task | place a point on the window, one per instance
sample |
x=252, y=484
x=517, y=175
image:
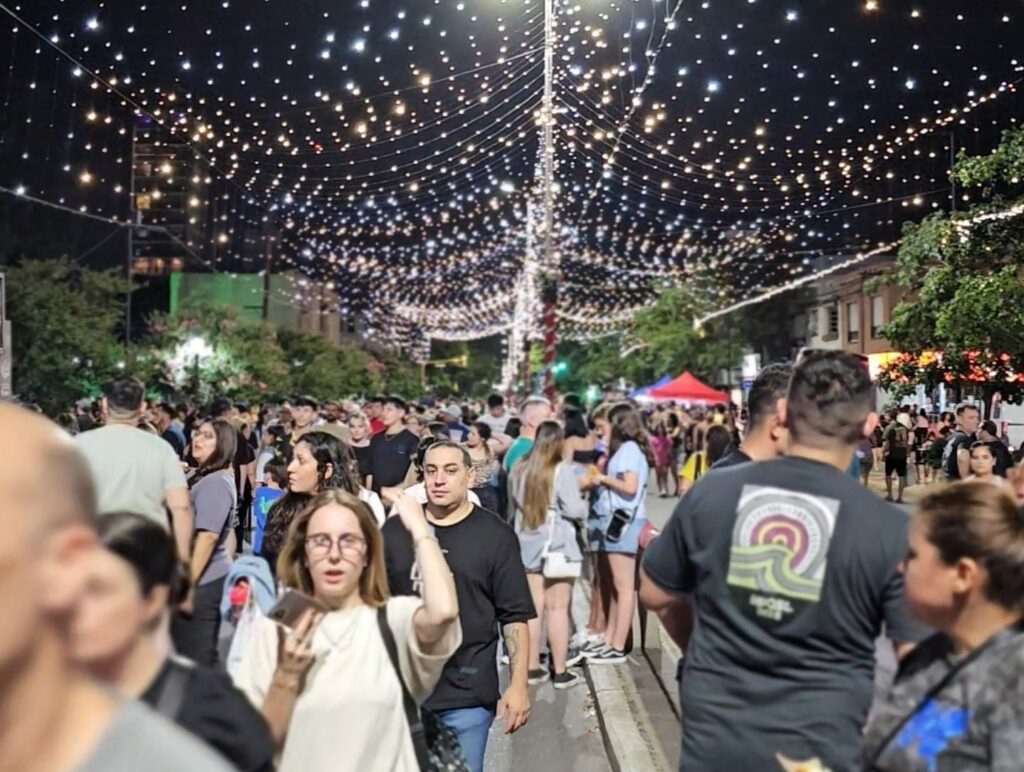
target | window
x=877, y=316
x=852, y=322
x=833, y=319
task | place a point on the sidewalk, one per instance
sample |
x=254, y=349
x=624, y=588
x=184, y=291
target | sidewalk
x=911, y=495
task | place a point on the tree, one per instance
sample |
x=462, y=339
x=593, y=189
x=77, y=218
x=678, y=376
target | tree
x=963, y=320
x=662, y=341
x=326, y=370
x=65, y=323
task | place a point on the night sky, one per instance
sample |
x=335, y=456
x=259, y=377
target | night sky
x=395, y=145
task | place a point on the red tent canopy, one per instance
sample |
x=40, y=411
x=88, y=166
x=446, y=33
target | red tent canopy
x=687, y=388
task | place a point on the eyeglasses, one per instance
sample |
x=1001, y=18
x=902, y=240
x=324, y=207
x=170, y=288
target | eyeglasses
x=319, y=544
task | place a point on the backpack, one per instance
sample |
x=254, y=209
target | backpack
x=949, y=462
x=898, y=440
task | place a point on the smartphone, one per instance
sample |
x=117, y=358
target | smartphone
x=621, y=520
x=291, y=606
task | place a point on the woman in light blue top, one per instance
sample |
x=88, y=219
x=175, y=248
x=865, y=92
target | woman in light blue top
x=619, y=514
x=546, y=504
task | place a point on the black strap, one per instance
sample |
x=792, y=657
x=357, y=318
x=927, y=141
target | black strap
x=940, y=686
x=172, y=695
x=412, y=711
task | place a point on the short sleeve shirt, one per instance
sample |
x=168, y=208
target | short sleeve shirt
x=975, y=724
x=132, y=470
x=390, y=458
x=483, y=554
x=213, y=505
x=628, y=458
x=349, y=715
x=794, y=571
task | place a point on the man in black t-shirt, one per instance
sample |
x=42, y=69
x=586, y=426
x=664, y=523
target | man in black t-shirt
x=391, y=451
x=483, y=554
x=793, y=569
x=956, y=457
x=765, y=437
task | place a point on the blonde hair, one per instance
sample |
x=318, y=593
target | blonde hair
x=293, y=568
x=534, y=474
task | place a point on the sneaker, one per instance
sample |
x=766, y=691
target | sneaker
x=592, y=648
x=583, y=637
x=565, y=680
x=607, y=656
x=538, y=676
x=573, y=657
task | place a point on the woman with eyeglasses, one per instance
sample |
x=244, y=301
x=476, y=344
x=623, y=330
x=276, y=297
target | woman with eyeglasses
x=327, y=687
x=118, y=637
x=214, y=499
x=958, y=700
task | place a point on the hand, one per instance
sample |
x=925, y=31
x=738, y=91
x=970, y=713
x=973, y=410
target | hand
x=514, y=707
x=411, y=513
x=297, y=648
x=188, y=606
x=391, y=494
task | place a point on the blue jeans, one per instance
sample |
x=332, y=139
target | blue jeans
x=471, y=726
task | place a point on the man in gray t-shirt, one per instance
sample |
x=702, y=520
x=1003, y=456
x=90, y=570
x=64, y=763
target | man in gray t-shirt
x=133, y=470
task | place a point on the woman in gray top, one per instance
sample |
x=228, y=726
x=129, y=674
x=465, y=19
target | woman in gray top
x=214, y=500
x=547, y=504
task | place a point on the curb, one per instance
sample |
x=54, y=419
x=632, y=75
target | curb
x=629, y=737
x=628, y=734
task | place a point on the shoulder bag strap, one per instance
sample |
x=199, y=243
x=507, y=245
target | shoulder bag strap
x=412, y=711
x=172, y=696
x=951, y=675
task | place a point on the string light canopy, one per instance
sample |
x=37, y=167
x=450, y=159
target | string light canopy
x=394, y=147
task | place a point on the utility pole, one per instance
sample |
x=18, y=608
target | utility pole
x=129, y=263
x=268, y=266
x=549, y=261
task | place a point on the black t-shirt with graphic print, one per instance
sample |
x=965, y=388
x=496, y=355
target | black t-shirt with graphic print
x=483, y=554
x=794, y=571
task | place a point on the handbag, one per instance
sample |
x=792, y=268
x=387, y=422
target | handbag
x=436, y=746
x=555, y=565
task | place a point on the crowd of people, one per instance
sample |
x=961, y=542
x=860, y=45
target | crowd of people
x=337, y=584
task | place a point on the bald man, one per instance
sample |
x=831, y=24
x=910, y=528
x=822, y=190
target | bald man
x=52, y=717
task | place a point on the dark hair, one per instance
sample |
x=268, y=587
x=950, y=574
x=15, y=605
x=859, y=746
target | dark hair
x=483, y=430
x=150, y=550
x=168, y=408
x=223, y=453
x=575, y=423
x=628, y=426
x=923, y=413
x=716, y=441
x=495, y=400
x=124, y=395
x=371, y=400
x=768, y=388
x=979, y=521
x=513, y=427
x=306, y=401
x=327, y=449
x=961, y=409
x=421, y=452
x=830, y=397
x=944, y=431
x=439, y=430
x=990, y=428
x=467, y=461
x=278, y=473
x=572, y=400
x=219, y=407
x=398, y=402
x=980, y=444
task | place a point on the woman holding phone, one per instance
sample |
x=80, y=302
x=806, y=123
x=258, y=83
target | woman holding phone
x=619, y=515
x=327, y=687
x=214, y=500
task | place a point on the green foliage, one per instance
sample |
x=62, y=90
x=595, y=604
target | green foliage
x=965, y=288
x=65, y=322
x=663, y=341
x=323, y=369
